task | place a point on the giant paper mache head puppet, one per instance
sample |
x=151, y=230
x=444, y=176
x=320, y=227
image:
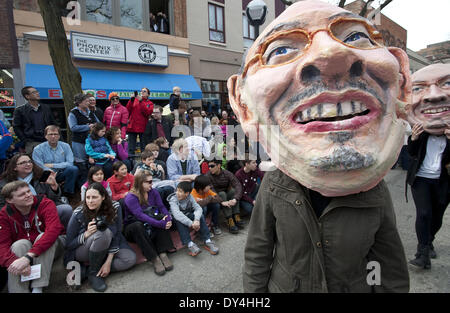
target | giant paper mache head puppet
x=322, y=75
x=430, y=104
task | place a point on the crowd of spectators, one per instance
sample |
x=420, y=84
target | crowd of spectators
x=133, y=181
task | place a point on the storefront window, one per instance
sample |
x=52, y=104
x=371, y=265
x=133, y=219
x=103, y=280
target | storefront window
x=215, y=95
x=7, y=103
x=99, y=11
x=131, y=13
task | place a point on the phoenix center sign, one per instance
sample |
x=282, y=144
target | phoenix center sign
x=92, y=47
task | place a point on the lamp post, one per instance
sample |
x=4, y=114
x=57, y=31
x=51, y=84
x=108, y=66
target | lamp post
x=256, y=14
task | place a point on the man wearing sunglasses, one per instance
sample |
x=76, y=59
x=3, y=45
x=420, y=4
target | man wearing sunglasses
x=325, y=95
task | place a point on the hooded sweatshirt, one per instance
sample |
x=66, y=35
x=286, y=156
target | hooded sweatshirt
x=180, y=209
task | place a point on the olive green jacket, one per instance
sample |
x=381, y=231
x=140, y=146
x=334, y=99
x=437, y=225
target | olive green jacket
x=289, y=249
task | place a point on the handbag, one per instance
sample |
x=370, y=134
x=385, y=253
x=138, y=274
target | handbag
x=153, y=212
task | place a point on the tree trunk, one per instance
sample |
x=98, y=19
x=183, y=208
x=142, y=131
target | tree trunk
x=68, y=76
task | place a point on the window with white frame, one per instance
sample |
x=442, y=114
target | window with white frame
x=216, y=22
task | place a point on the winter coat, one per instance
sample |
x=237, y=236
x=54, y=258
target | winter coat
x=97, y=149
x=139, y=112
x=151, y=131
x=43, y=218
x=289, y=249
x=116, y=116
x=23, y=122
x=120, y=187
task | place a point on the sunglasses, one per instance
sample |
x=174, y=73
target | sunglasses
x=149, y=181
x=115, y=98
x=211, y=165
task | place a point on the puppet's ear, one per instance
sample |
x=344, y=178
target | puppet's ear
x=237, y=104
x=404, y=82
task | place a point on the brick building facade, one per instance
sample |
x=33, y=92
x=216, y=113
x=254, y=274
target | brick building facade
x=8, y=54
x=393, y=34
x=437, y=52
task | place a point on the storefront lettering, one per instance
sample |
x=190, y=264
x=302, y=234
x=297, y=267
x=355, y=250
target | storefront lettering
x=84, y=46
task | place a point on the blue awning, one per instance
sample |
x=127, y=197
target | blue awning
x=102, y=82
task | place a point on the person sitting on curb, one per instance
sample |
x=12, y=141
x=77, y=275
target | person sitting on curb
x=250, y=177
x=208, y=200
x=150, y=233
x=29, y=231
x=230, y=190
x=188, y=214
x=94, y=236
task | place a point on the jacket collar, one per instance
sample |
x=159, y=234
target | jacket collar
x=295, y=192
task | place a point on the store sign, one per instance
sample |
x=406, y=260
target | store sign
x=91, y=47
x=103, y=94
x=6, y=97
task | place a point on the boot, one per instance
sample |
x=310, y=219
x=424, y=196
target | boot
x=159, y=266
x=422, y=259
x=433, y=254
x=237, y=220
x=231, y=226
x=166, y=262
x=96, y=260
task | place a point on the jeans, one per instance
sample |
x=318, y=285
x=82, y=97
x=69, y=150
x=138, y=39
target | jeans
x=214, y=209
x=69, y=176
x=429, y=209
x=132, y=138
x=184, y=230
x=247, y=206
x=79, y=152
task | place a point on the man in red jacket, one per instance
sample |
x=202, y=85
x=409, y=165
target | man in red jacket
x=140, y=108
x=29, y=229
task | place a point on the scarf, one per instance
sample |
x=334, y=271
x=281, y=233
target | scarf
x=28, y=180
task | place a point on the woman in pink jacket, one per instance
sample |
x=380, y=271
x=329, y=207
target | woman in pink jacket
x=139, y=109
x=116, y=114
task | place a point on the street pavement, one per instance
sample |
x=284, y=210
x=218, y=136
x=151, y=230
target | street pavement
x=206, y=273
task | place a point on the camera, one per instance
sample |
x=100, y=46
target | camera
x=100, y=221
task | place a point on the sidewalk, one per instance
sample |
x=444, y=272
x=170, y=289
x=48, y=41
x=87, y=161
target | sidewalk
x=223, y=273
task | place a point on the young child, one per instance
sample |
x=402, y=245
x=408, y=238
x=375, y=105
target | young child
x=148, y=164
x=95, y=175
x=208, y=200
x=99, y=150
x=188, y=214
x=121, y=182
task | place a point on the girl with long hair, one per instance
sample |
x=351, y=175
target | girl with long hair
x=149, y=232
x=94, y=237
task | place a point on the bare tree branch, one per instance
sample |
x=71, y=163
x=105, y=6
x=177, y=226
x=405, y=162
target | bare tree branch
x=364, y=9
x=286, y=2
x=342, y=3
x=385, y=3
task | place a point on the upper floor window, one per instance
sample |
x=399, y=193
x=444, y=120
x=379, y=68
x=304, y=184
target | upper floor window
x=100, y=11
x=247, y=29
x=216, y=23
x=131, y=14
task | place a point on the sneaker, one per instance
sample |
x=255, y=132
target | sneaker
x=194, y=250
x=211, y=247
x=217, y=230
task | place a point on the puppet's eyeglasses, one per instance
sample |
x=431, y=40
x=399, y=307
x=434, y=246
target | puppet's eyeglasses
x=287, y=46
